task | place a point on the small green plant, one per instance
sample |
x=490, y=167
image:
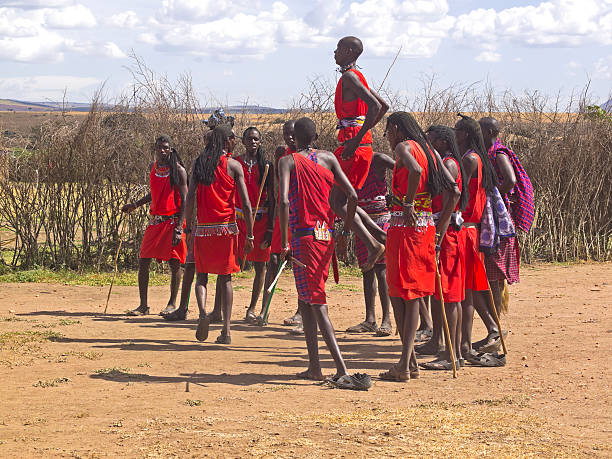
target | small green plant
x=190, y=402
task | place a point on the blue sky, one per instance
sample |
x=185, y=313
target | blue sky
x=266, y=51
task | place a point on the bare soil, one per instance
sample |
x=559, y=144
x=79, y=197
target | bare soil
x=77, y=383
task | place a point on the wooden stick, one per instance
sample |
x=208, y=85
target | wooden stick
x=390, y=67
x=271, y=291
x=297, y=262
x=261, y=187
x=449, y=344
x=496, y=317
x=110, y=288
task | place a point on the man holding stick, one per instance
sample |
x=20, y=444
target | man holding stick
x=306, y=179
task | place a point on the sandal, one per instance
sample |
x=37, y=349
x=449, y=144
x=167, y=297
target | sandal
x=203, y=327
x=177, y=314
x=169, y=309
x=292, y=321
x=493, y=343
x=363, y=327
x=215, y=319
x=423, y=335
x=428, y=348
x=384, y=330
x=250, y=317
x=482, y=359
x=358, y=381
x=139, y=311
x=297, y=331
x=393, y=374
x=440, y=365
x=223, y=339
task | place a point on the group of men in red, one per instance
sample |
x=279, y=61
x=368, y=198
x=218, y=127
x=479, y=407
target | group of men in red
x=443, y=181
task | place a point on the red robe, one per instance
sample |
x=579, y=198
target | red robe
x=260, y=223
x=275, y=247
x=216, y=234
x=165, y=205
x=357, y=167
x=309, y=188
x=475, y=273
x=452, y=253
x=411, y=252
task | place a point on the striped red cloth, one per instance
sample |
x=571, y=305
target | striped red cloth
x=522, y=208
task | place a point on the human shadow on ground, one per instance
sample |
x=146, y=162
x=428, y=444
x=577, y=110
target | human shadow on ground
x=201, y=379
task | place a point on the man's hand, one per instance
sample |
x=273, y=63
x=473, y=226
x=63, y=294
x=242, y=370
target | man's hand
x=410, y=216
x=267, y=239
x=285, y=253
x=177, y=236
x=130, y=207
x=248, y=246
x=350, y=146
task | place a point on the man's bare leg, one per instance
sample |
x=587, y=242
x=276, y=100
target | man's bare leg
x=337, y=201
x=175, y=282
x=228, y=300
x=497, y=287
x=383, y=294
x=411, y=318
x=201, y=284
x=143, y=286
x=458, y=354
x=258, y=282
x=481, y=304
x=327, y=330
x=216, y=315
x=425, y=318
x=434, y=344
x=181, y=312
x=466, y=322
x=309, y=322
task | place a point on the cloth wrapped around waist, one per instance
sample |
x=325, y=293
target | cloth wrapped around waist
x=374, y=206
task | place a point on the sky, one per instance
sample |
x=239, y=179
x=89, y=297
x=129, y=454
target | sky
x=265, y=52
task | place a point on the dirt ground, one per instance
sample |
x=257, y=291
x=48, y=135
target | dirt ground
x=77, y=383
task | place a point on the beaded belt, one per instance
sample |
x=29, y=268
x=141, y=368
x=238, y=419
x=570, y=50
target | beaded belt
x=215, y=229
x=423, y=219
x=157, y=219
x=260, y=213
x=350, y=122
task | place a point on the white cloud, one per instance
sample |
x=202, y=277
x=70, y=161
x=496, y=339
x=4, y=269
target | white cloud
x=35, y=4
x=603, y=68
x=89, y=48
x=232, y=29
x=40, y=88
x=488, y=56
x=560, y=23
x=126, y=20
x=45, y=46
x=71, y=17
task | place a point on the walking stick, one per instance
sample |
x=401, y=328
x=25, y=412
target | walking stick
x=261, y=187
x=449, y=344
x=271, y=290
x=110, y=289
x=496, y=317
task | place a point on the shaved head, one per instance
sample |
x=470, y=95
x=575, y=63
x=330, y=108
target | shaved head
x=488, y=122
x=354, y=44
x=305, y=131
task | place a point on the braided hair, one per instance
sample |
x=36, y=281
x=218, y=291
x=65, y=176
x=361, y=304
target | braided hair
x=448, y=135
x=476, y=143
x=206, y=163
x=174, y=160
x=259, y=154
x=436, y=181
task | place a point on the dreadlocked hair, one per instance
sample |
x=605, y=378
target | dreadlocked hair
x=436, y=182
x=448, y=135
x=259, y=154
x=174, y=160
x=476, y=143
x=206, y=163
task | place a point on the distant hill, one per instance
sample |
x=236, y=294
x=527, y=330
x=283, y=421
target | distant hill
x=607, y=106
x=23, y=106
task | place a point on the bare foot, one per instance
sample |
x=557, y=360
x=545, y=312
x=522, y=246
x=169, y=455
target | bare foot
x=312, y=376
